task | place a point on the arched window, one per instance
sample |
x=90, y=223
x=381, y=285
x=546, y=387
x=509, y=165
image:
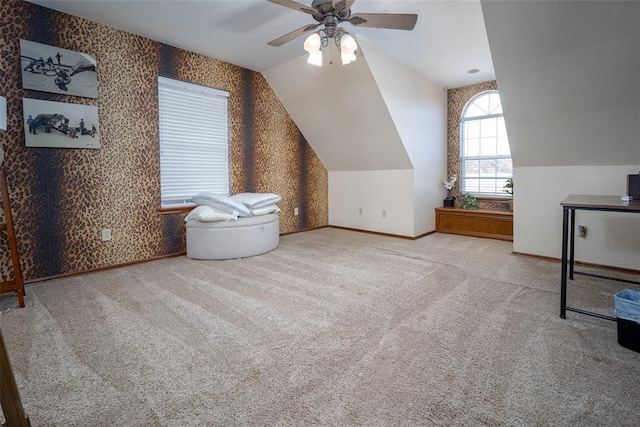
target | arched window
x=485, y=157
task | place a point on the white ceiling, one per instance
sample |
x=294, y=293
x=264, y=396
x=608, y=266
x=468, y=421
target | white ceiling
x=568, y=75
x=448, y=40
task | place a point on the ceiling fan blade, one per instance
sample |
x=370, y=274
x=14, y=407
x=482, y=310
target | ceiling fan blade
x=392, y=21
x=299, y=7
x=292, y=35
x=342, y=5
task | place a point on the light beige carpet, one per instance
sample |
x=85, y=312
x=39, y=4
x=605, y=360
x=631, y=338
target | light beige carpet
x=332, y=328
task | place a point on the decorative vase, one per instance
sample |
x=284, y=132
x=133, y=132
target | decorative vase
x=449, y=203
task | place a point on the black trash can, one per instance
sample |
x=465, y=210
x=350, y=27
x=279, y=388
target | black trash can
x=627, y=309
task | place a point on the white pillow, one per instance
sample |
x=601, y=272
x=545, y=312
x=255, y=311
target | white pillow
x=222, y=202
x=257, y=200
x=208, y=214
x=266, y=210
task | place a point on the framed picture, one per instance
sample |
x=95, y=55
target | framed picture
x=52, y=69
x=60, y=125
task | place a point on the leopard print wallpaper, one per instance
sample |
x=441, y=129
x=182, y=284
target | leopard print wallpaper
x=62, y=198
x=457, y=98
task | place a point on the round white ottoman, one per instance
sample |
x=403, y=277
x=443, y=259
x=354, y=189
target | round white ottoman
x=233, y=239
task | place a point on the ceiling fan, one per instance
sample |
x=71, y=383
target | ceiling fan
x=330, y=13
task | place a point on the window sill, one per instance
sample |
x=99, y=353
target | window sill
x=494, y=199
x=168, y=210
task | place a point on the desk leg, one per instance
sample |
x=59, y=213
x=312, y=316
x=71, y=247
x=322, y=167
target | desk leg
x=563, y=280
x=572, y=242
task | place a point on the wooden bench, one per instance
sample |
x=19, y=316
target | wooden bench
x=489, y=223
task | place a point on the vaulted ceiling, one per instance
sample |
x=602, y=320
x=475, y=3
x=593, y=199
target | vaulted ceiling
x=448, y=40
x=568, y=73
x=567, y=70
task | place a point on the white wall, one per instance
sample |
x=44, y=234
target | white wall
x=340, y=112
x=612, y=239
x=568, y=78
x=418, y=108
x=382, y=126
x=373, y=191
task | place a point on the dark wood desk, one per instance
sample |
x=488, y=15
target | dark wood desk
x=569, y=207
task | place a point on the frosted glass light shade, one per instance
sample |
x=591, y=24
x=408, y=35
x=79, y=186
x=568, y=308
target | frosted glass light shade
x=348, y=48
x=315, y=58
x=348, y=43
x=313, y=43
x=347, y=58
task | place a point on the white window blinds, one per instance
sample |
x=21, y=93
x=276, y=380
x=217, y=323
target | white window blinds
x=194, y=141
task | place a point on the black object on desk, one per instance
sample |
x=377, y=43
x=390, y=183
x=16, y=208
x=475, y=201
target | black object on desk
x=633, y=186
x=569, y=207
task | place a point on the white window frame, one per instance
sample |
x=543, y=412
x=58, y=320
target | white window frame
x=194, y=141
x=498, y=193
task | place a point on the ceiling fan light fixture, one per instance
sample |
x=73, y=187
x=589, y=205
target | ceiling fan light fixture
x=315, y=58
x=313, y=43
x=348, y=48
x=330, y=14
x=347, y=58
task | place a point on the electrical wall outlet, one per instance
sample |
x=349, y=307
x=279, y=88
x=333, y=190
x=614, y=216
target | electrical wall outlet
x=106, y=234
x=295, y=211
x=384, y=213
x=360, y=211
x=582, y=231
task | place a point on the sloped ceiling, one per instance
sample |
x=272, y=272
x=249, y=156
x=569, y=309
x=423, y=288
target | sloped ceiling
x=569, y=79
x=448, y=40
x=341, y=112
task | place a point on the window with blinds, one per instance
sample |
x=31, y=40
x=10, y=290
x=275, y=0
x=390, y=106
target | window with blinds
x=485, y=156
x=194, y=141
